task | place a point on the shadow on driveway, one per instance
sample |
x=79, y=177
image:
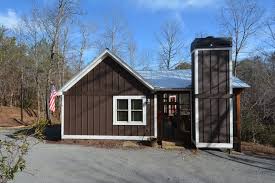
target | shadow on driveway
x=253, y=161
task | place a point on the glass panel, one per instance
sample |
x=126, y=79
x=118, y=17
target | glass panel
x=136, y=104
x=136, y=116
x=122, y=104
x=172, y=108
x=184, y=98
x=165, y=109
x=122, y=116
x=164, y=97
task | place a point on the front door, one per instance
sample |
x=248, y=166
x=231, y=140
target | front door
x=175, y=116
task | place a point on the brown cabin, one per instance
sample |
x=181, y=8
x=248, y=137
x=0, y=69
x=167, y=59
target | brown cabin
x=110, y=100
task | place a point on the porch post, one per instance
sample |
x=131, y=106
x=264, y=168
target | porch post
x=238, y=119
x=155, y=116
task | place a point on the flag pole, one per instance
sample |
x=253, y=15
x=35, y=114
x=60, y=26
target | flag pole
x=49, y=111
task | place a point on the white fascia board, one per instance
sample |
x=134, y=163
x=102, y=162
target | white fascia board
x=82, y=73
x=128, y=68
x=106, y=137
x=94, y=63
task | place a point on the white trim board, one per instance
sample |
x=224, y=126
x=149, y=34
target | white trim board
x=155, y=116
x=215, y=145
x=94, y=63
x=62, y=115
x=106, y=137
x=196, y=55
x=230, y=100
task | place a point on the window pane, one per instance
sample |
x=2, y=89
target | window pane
x=122, y=116
x=136, y=104
x=122, y=104
x=184, y=98
x=136, y=116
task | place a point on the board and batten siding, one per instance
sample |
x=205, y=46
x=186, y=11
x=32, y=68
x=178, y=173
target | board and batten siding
x=88, y=105
x=213, y=87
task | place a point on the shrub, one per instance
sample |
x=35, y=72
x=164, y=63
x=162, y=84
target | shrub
x=39, y=128
x=257, y=132
x=273, y=140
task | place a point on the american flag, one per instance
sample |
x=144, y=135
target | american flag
x=52, y=98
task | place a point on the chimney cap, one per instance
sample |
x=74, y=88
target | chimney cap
x=211, y=42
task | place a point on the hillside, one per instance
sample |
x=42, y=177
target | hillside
x=10, y=117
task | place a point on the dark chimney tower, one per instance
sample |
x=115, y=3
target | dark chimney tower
x=212, y=124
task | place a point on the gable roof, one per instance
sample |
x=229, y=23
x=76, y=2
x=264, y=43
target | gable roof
x=155, y=80
x=94, y=63
x=178, y=79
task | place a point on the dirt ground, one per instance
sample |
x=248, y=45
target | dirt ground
x=11, y=117
x=249, y=147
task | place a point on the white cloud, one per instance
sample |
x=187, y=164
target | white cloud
x=9, y=19
x=173, y=4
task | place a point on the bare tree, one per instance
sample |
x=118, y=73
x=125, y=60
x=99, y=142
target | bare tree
x=113, y=35
x=270, y=30
x=201, y=34
x=132, y=51
x=33, y=36
x=258, y=109
x=240, y=19
x=53, y=22
x=85, y=43
x=170, y=44
x=145, y=60
x=64, y=49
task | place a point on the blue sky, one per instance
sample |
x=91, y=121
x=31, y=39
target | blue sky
x=144, y=17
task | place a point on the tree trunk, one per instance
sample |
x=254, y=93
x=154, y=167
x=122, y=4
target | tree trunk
x=235, y=64
x=38, y=98
x=47, y=98
x=22, y=105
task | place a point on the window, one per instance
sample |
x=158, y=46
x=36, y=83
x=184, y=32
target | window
x=172, y=105
x=129, y=110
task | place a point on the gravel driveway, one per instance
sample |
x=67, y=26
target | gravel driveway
x=52, y=163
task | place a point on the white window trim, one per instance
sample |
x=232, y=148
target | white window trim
x=129, y=122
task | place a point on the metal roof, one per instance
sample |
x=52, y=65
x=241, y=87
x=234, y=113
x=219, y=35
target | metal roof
x=178, y=79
